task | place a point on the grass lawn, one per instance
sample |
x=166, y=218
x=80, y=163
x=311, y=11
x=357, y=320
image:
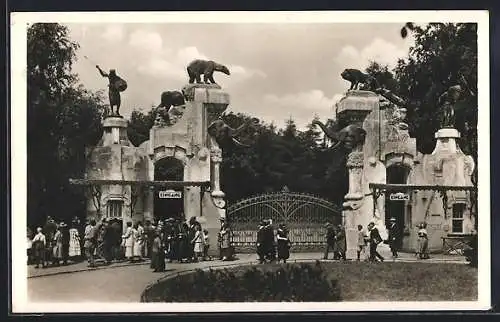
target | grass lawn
x=399, y=281
x=405, y=281
x=393, y=281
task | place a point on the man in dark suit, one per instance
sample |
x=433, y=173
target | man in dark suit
x=330, y=239
x=261, y=252
x=375, y=239
x=394, y=237
x=269, y=241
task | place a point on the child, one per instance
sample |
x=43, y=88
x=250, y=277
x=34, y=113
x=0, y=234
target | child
x=206, y=245
x=197, y=243
x=423, y=242
x=361, y=241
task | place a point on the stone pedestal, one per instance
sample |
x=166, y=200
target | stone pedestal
x=115, y=158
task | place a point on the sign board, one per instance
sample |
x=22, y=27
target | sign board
x=399, y=196
x=169, y=194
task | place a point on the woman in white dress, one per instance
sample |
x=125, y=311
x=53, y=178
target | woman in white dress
x=75, y=249
x=128, y=242
x=137, y=251
x=198, y=243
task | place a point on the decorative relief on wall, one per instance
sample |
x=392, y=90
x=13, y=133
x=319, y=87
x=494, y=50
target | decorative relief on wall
x=355, y=159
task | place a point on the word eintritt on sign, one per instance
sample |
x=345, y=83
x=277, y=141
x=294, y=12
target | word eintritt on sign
x=169, y=194
x=399, y=196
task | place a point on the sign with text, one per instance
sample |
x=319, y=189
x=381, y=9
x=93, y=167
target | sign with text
x=169, y=194
x=399, y=196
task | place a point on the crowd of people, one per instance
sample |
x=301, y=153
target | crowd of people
x=174, y=239
x=171, y=239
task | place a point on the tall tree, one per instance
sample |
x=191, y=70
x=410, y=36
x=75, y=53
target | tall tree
x=444, y=55
x=63, y=119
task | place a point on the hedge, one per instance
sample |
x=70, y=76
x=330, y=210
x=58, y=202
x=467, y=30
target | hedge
x=302, y=282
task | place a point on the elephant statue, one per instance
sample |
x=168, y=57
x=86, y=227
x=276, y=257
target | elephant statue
x=349, y=137
x=224, y=134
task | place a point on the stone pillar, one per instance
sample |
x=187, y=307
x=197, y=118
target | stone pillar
x=207, y=102
x=353, y=110
x=353, y=200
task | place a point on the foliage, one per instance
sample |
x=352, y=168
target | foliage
x=471, y=254
x=287, y=283
x=139, y=125
x=383, y=75
x=63, y=119
x=443, y=55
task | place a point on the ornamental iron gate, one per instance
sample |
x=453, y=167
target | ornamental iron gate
x=304, y=215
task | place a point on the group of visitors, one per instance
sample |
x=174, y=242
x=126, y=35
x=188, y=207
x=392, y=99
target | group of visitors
x=186, y=241
x=53, y=244
x=267, y=245
x=394, y=240
x=335, y=240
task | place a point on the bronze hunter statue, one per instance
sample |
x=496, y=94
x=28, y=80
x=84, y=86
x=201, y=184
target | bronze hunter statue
x=115, y=86
x=206, y=68
x=357, y=78
x=447, y=102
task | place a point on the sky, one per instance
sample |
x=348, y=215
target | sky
x=278, y=71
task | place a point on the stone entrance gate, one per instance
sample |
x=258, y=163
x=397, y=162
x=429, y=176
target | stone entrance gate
x=304, y=215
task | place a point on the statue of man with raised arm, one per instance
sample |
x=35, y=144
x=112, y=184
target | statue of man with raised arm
x=115, y=86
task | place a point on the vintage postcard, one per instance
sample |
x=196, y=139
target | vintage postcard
x=257, y=161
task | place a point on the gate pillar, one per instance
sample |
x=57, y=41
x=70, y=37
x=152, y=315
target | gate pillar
x=353, y=109
x=208, y=102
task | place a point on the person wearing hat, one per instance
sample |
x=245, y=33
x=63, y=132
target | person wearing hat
x=270, y=243
x=330, y=239
x=65, y=242
x=340, y=245
x=49, y=229
x=394, y=237
x=57, y=252
x=375, y=240
x=283, y=243
x=260, y=241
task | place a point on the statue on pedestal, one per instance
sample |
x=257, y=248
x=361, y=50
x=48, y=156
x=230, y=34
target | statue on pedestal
x=447, y=102
x=206, y=68
x=115, y=86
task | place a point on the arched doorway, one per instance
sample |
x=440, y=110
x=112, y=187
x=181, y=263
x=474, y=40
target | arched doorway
x=168, y=202
x=396, y=174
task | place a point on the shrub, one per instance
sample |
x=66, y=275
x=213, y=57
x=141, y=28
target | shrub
x=273, y=283
x=471, y=252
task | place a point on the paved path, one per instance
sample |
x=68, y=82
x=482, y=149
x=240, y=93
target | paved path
x=123, y=282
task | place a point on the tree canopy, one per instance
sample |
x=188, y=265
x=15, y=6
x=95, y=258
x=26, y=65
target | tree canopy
x=63, y=119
